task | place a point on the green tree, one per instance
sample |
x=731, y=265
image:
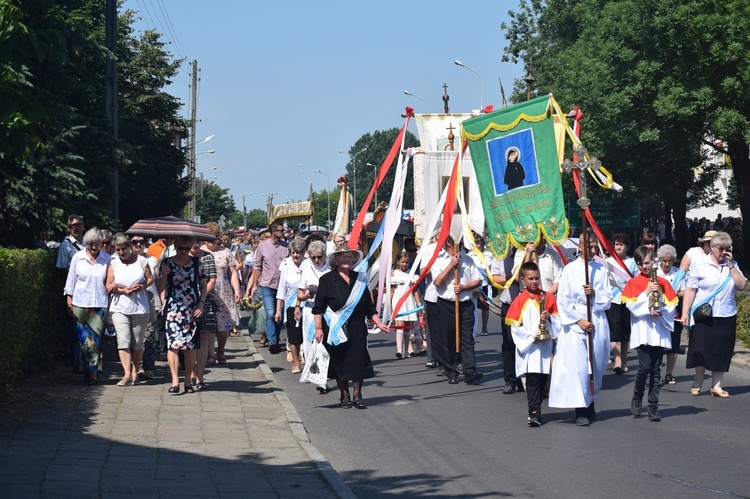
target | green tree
x=378, y=144
x=212, y=202
x=257, y=218
x=148, y=119
x=633, y=66
x=57, y=151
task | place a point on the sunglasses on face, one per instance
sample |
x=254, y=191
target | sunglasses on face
x=182, y=248
x=317, y=257
x=138, y=241
x=106, y=243
x=75, y=225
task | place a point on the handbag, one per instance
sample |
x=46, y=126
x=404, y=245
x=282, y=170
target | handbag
x=705, y=311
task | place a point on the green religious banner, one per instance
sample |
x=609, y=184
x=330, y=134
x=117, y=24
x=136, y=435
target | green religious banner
x=517, y=169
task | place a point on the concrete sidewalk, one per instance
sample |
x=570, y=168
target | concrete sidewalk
x=241, y=437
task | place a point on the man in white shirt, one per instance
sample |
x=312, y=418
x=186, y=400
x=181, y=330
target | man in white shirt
x=443, y=275
x=549, y=263
x=502, y=271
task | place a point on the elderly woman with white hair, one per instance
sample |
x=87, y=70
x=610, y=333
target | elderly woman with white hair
x=87, y=299
x=343, y=292
x=709, y=305
x=666, y=256
x=311, y=270
x=127, y=279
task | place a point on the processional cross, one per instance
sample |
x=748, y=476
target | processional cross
x=581, y=164
x=451, y=137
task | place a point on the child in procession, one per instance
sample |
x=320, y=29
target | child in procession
x=406, y=325
x=651, y=327
x=525, y=317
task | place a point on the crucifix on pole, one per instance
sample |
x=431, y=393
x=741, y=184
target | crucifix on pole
x=578, y=168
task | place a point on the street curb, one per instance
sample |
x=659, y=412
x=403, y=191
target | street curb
x=298, y=429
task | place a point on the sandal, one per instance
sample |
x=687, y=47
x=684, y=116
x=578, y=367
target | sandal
x=359, y=403
x=695, y=390
x=210, y=360
x=200, y=386
x=346, y=403
x=221, y=358
x=669, y=380
x=189, y=389
x=174, y=389
x=263, y=340
x=722, y=394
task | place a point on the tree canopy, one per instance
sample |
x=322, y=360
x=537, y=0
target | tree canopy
x=378, y=144
x=657, y=80
x=57, y=152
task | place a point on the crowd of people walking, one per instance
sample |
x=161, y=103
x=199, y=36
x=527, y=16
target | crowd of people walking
x=565, y=318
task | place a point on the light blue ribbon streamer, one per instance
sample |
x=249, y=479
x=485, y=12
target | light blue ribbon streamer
x=678, y=277
x=412, y=311
x=335, y=334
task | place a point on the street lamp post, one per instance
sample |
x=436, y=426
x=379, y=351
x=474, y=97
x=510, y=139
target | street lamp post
x=376, y=191
x=406, y=92
x=202, y=183
x=354, y=175
x=328, y=184
x=269, y=204
x=481, y=83
x=312, y=200
x=192, y=213
x=244, y=210
x=192, y=170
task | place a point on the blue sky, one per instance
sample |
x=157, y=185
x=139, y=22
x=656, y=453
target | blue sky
x=290, y=83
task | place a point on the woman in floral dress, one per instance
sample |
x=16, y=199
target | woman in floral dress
x=226, y=293
x=186, y=285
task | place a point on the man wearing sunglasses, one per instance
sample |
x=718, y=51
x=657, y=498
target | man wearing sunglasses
x=268, y=257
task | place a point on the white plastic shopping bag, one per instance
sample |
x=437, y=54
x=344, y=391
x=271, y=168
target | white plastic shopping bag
x=316, y=367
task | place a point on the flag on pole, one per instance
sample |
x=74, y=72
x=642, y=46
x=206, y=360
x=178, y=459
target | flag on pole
x=341, y=225
x=517, y=169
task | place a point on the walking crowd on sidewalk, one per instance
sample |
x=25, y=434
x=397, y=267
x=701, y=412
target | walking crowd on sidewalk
x=564, y=318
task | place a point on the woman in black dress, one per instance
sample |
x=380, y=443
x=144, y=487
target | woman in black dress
x=514, y=172
x=350, y=360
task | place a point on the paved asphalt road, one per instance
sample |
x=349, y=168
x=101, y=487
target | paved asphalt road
x=421, y=436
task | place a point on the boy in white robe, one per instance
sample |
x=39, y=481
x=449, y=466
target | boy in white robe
x=650, y=329
x=533, y=353
x=570, y=386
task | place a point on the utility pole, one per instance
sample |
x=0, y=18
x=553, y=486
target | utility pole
x=191, y=151
x=110, y=93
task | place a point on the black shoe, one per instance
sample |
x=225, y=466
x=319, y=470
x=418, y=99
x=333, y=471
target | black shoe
x=592, y=413
x=583, y=421
x=431, y=365
x=519, y=388
x=535, y=420
x=346, y=403
x=359, y=403
x=653, y=414
x=617, y=370
x=635, y=407
x=323, y=390
x=273, y=348
x=452, y=380
x=460, y=368
x=399, y=355
x=473, y=377
x=509, y=388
